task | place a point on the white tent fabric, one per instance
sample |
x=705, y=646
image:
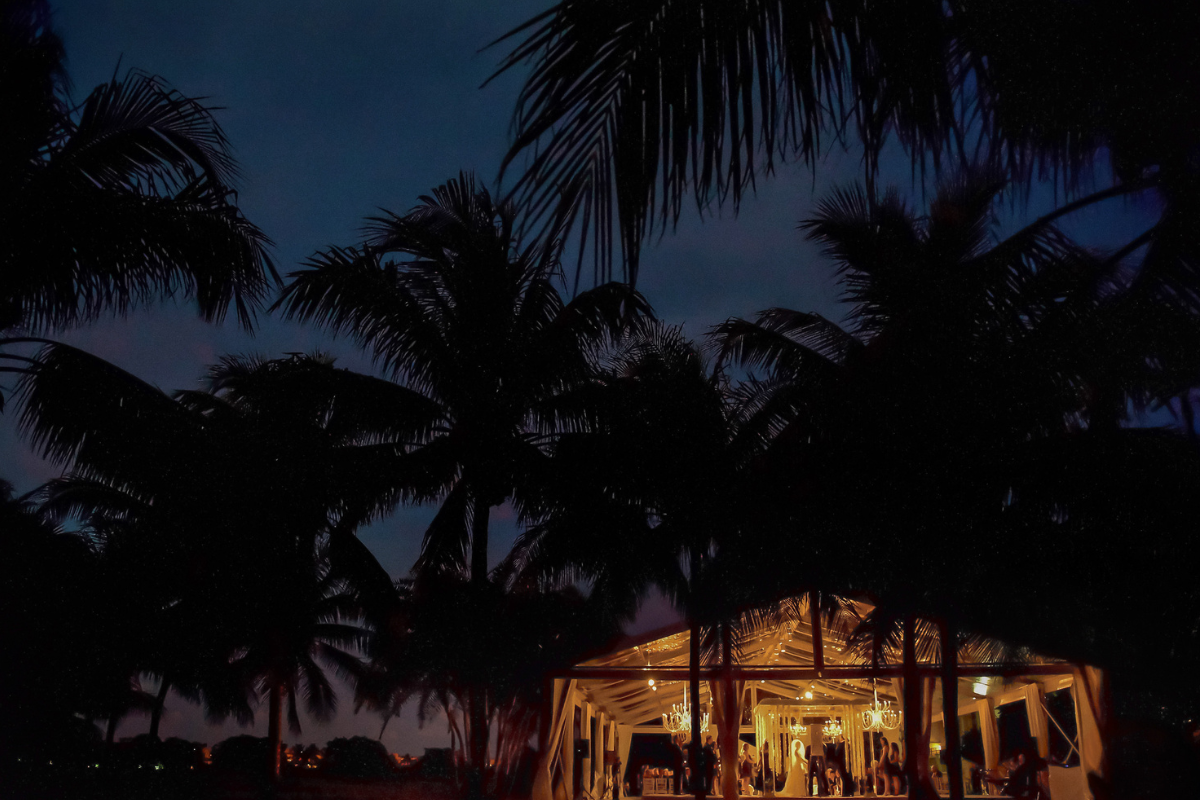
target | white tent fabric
x=542, y=780
x=1092, y=706
x=1036, y=711
x=624, y=696
x=991, y=734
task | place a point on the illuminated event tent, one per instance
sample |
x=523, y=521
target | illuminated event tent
x=789, y=680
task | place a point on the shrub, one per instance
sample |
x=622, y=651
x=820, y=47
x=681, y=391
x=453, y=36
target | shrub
x=242, y=754
x=358, y=757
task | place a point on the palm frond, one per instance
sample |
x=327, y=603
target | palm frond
x=446, y=544
x=81, y=410
x=138, y=130
x=103, y=249
x=319, y=698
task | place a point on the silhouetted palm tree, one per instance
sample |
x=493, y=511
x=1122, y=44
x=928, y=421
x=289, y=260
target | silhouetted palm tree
x=966, y=431
x=632, y=106
x=483, y=353
x=219, y=507
x=123, y=198
x=961, y=352
x=669, y=467
x=56, y=662
x=452, y=642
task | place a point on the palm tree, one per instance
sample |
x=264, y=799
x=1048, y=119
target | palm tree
x=915, y=431
x=670, y=466
x=483, y=355
x=524, y=628
x=56, y=663
x=110, y=203
x=229, y=510
x=630, y=107
x=959, y=352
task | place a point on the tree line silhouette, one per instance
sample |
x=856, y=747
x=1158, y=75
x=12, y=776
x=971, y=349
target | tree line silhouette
x=965, y=450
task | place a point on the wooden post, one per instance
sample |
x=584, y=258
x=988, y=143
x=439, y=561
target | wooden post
x=954, y=776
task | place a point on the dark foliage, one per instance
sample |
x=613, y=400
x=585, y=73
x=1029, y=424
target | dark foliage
x=244, y=753
x=118, y=200
x=632, y=106
x=358, y=757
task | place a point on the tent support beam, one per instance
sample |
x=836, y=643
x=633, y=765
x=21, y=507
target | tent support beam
x=830, y=672
x=818, y=641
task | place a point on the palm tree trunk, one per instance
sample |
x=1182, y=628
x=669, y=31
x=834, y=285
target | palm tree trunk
x=110, y=733
x=694, y=692
x=731, y=718
x=477, y=695
x=478, y=733
x=479, y=540
x=159, y=703
x=954, y=776
x=912, y=709
x=275, y=729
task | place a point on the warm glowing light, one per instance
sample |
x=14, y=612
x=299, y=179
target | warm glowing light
x=808, y=695
x=880, y=716
x=679, y=719
x=832, y=729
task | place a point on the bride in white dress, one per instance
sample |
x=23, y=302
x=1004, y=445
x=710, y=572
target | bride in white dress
x=797, y=779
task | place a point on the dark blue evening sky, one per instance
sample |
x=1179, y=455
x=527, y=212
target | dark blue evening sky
x=336, y=109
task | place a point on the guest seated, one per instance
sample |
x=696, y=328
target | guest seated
x=1022, y=776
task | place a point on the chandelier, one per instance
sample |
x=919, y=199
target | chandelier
x=679, y=719
x=880, y=716
x=832, y=729
x=798, y=730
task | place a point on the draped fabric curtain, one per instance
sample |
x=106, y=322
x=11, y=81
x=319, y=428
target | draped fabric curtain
x=542, y=781
x=990, y=733
x=1093, y=706
x=1039, y=726
x=624, y=740
x=854, y=745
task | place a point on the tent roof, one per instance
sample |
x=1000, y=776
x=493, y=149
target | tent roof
x=789, y=644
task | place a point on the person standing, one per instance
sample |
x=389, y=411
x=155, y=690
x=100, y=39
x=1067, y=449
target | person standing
x=816, y=772
x=768, y=774
x=708, y=763
x=894, y=767
x=835, y=759
x=677, y=765
x=796, y=784
x=746, y=769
